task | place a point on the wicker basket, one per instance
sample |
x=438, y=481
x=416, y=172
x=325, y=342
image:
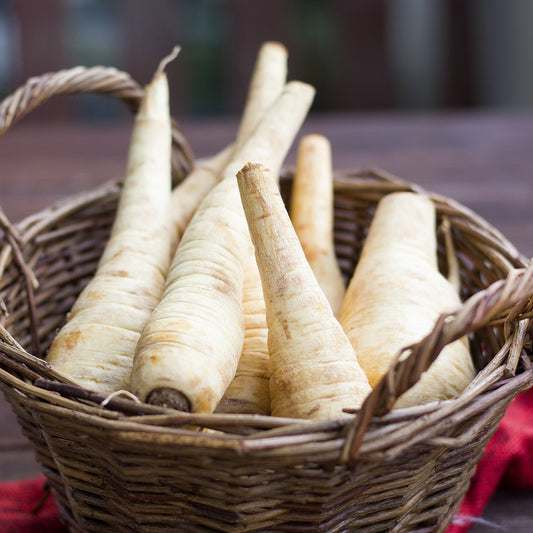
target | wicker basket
x=126, y=466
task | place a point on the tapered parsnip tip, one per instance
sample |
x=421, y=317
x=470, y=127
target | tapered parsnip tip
x=315, y=137
x=312, y=140
x=155, y=102
x=274, y=47
x=170, y=398
x=167, y=59
x=301, y=88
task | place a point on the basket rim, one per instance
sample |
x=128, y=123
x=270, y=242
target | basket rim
x=262, y=435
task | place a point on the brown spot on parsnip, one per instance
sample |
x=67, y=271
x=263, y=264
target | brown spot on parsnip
x=72, y=338
x=223, y=284
x=313, y=410
x=155, y=359
x=286, y=329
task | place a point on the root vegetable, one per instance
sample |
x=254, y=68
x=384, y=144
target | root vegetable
x=190, y=348
x=313, y=368
x=311, y=211
x=188, y=194
x=96, y=345
x=267, y=81
x=396, y=294
x=248, y=392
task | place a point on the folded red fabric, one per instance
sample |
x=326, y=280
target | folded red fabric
x=25, y=507
x=507, y=462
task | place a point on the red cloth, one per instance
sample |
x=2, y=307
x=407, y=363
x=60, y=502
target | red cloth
x=25, y=507
x=507, y=462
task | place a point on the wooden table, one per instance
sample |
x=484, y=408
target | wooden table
x=483, y=160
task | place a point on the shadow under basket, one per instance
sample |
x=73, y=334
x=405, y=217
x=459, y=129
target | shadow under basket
x=120, y=465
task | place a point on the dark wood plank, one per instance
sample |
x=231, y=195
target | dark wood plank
x=17, y=459
x=41, y=45
x=140, y=21
x=358, y=69
x=249, y=24
x=482, y=160
x=18, y=463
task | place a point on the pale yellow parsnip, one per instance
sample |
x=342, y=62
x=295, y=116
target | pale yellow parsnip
x=275, y=133
x=311, y=211
x=267, y=80
x=194, y=335
x=201, y=312
x=188, y=194
x=397, y=293
x=249, y=392
x=96, y=345
x=314, y=371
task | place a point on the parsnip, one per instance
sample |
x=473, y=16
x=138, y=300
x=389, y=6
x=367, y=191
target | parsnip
x=189, y=350
x=396, y=294
x=188, y=194
x=311, y=211
x=267, y=81
x=96, y=345
x=313, y=368
x=248, y=392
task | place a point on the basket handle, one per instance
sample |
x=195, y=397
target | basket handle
x=99, y=80
x=513, y=294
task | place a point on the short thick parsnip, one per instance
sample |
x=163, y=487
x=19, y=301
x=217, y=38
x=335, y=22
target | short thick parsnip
x=397, y=293
x=314, y=372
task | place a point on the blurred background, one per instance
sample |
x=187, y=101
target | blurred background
x=359, y=54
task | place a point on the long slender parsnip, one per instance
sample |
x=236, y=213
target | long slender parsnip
x=311, y=211
x=268, y=79
x=188, y=194
x=314, y=371
x=266, y=83
x=397, y=293
x=248, y=392
x=189, y=350
x=96, y=345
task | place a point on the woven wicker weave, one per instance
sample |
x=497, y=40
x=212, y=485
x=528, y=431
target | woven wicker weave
x=126, y=466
